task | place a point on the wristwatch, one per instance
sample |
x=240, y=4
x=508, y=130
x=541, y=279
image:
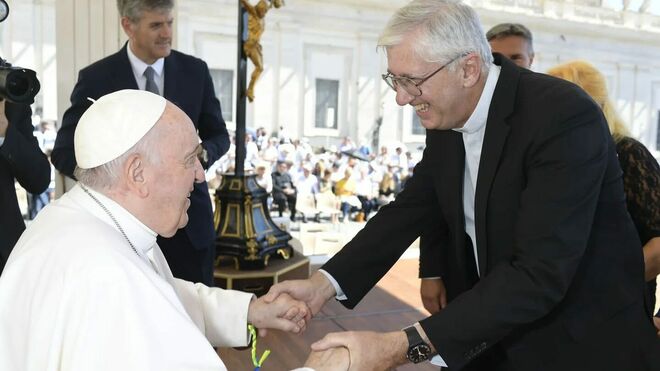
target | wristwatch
x=418, y=350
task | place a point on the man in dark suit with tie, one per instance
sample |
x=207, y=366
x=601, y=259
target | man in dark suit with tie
x=21, y=160
x=520, y=180
x=147, y=62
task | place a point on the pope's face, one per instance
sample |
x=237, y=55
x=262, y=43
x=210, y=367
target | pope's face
x=176, y=172
x=151, y=36
x=441, y=103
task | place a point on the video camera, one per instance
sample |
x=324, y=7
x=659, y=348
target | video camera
x=17, y=84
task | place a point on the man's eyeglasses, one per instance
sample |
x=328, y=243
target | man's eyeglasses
x=408, y=84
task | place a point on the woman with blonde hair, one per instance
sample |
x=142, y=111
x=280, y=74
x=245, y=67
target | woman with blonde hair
x=641, y=173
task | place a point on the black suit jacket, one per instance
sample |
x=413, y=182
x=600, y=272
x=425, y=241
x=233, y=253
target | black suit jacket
x=20, y=159
x=188, y=84
x=561, y=283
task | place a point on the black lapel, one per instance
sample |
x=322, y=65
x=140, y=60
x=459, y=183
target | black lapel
x=122, y=75
x=171, y=69
x=497, y=131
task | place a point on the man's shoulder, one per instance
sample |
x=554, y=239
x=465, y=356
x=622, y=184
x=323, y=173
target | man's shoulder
x=541, y=87
x=104, y=64
x=542, y=98
x=186, y=59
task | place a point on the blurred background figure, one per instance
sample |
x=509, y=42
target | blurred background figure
x=284, y=192
x=514, y=41
x=21, y=160
x=641, y=173
x=345, y=189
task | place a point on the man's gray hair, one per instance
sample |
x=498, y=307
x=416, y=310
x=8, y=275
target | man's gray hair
x=503, y=30
x=132, y=9
x=106, y=176
x=446, y=29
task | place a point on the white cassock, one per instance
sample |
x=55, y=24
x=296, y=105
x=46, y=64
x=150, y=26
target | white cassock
x=75, y=296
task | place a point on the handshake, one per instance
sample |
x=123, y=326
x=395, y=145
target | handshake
x=285, y=313
x=289, y=306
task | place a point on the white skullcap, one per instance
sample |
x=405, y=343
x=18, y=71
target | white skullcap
x=113, y=124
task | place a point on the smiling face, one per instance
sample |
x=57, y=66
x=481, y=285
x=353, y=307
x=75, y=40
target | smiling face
x=173, y=177
x=151, y=36
x=447, y=98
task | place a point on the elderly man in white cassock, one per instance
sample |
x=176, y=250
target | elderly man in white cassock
x=88, y=288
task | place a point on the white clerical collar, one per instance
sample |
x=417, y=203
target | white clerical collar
x=141, y=236
x=479, y=116
x=139, y=66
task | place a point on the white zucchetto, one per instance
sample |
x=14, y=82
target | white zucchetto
x=113, y=124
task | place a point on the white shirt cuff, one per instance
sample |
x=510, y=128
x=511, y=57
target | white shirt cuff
x=2, y=140
x=438, y=361
x=340, y=293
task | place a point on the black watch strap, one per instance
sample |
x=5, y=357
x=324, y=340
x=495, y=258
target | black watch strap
x=418, y=349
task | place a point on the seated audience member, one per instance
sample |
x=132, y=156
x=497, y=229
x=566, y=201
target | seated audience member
x=641, y=173
x=284, y=192
x=345, y=189
x=251, y=152
x=307, y=182
x=264, y=179
x=326, y=184
x=386, y=189
x=21, y=160
x=319, y=168
x=88, y=288
x=364, y=189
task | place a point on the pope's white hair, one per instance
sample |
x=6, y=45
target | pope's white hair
x=106, y=176
x=445, y=30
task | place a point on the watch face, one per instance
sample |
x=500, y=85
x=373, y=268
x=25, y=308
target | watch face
x=418, y=353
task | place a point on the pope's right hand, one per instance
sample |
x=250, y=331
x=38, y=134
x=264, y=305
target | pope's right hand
x=314, y=291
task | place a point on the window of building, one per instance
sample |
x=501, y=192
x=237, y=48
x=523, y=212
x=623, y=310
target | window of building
x=417, y=128
x=223, y=83
x=327, y=98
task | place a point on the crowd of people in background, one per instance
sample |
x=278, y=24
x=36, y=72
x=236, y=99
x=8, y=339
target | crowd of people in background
x=360, y=178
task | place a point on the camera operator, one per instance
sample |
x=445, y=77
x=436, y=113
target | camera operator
x=21, y=159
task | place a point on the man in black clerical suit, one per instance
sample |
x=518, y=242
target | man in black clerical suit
x=21, y=160
x=514, y=41
x=520, y=181
x=147, y=62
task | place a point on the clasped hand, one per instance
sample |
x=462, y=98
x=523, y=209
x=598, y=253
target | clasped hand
x=283, y=313
x=352, y=350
